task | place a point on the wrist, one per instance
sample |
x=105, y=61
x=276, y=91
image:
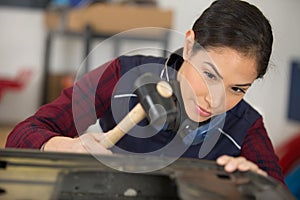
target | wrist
x=57, y=143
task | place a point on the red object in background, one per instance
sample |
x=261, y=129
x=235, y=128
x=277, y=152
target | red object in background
x=67, y=81
x=289, y=154
x=16, y=83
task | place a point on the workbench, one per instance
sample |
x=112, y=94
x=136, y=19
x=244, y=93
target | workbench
x=35, y=175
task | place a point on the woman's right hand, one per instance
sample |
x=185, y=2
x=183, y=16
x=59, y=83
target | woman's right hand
x=86, y=143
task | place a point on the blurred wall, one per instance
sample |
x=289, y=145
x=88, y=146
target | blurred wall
x=22, y=46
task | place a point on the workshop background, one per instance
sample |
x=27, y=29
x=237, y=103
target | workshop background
x=24, y=32
x=23, y=46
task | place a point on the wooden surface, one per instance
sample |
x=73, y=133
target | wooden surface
x=4, y=131
x=109, y=18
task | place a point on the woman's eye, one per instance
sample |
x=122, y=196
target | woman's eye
x=238, y=90
x=210, y=75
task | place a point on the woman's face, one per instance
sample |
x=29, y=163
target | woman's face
x=214, y=81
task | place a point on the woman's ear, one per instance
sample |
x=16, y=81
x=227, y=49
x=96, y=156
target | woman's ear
x=188, y=43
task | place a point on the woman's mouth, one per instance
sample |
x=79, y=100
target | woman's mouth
x=202, y=112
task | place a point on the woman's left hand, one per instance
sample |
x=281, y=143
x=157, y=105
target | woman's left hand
x=239, y=163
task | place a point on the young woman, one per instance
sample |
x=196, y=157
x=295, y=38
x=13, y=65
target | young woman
x=227, y=49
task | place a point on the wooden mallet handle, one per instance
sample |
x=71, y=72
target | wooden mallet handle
x=133, y=118
x=127, y=123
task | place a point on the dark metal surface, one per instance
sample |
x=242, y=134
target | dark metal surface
x=113, y=185
x=34, y=175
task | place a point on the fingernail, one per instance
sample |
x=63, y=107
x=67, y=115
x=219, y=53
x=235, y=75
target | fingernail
x=229, y=167
x=220, y=161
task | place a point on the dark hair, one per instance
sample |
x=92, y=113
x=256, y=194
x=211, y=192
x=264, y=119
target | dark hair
x=238, y=25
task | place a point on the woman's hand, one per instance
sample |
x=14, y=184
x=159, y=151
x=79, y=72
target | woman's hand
x=239, y=163
x=86, y=143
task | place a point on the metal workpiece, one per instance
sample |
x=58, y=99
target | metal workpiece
x=63, y=176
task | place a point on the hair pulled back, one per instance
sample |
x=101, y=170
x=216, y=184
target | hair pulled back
x=238, y=25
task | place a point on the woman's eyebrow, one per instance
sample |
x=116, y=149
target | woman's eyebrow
x=243, y=85
x=216, y=71
x=214, y=68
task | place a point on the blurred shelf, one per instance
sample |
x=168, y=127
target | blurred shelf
x=101, y=21
x=108, y=18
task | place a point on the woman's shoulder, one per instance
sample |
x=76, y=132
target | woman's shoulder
x=136, y=60
x=244, y=110
x=244, y=107
x=240, y=119
x=139, y=64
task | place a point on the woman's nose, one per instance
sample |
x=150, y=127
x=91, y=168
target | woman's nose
x=215, y=96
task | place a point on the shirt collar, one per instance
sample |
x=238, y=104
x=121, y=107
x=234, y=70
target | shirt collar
x=198, y=135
